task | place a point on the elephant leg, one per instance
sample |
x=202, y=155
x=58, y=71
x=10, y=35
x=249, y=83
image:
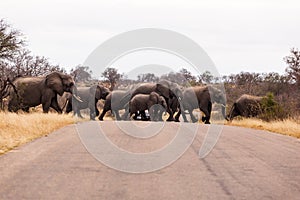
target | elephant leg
x=193, y=118
x=11, y=107
x=184, y=117
x=69, y=107
x=143, y=116
x=93, y=108
x=46, y=106
x=76, y=111
x=170, y=118
x=177, y=116
x=117, y=115
x=136, y=114
x=207, y=113
x=96, y=108
x=182, y=112
x=55, y=106
x=103, y=113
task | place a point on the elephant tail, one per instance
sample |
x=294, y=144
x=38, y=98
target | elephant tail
x=4, y=92
x=6, y=88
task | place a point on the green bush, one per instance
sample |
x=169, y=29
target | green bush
x=271, y=110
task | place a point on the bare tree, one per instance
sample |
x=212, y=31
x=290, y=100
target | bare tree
x=10, y=41
x=81, y=73
x=112, y=76
x=293, y=62
x=148, y=77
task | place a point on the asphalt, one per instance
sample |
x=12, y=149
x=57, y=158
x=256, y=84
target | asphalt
x=244, y=164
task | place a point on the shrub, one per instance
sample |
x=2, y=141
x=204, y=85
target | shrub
x=271, y=110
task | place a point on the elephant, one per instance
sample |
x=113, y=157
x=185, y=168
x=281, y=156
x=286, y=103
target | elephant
x=246, y=106
x=142, y=102
x=202, y=97
x=113, y=103
x=164, y=88
x=89, y=97
x=26, y=92
x=63, y=100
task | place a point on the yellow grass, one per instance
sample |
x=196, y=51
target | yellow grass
x=289, y=127
x=17, y=129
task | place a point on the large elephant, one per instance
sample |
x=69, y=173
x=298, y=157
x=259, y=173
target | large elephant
x=89, y=97
x=202, y=98
x=113, y=103
x=164, y=88
x=142, y=102
x=26, y=92
x=246, y=106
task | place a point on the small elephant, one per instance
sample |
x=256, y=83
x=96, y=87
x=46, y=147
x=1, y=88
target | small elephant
x=26, y=92
x=202, y=98
x=89, y=97
x=113, y=102
x=246, y=106
x=164, y=88
x=142, y=102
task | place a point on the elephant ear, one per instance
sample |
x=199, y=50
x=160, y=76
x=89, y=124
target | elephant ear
x=95, y=91
x=154, y=97
x=163, y=90
x=54, y=81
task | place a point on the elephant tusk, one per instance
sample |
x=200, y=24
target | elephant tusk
x=77, y=98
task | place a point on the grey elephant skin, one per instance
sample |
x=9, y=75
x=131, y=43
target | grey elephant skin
x=246, y=106
x=89, y=97
x=202, y=98
x=142, y=102
x=114, y=103
x=27, y=92
x=164, y=88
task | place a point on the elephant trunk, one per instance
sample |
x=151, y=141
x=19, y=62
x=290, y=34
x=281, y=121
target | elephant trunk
x=74, y=92
x=224, y=111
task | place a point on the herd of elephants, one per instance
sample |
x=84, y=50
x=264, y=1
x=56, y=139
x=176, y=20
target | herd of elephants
x=154, y=98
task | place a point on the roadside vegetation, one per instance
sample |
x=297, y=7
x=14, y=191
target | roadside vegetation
x=18, y=129
x=290, y=126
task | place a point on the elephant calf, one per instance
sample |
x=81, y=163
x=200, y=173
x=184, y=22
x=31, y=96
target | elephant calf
x=89, y=97
x=246, y=106
x=142, y=102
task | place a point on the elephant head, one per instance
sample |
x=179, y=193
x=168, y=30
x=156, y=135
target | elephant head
x=168, y=89
x=99, y=91
x=61, y=83
x=246, y=106
x=218, y=96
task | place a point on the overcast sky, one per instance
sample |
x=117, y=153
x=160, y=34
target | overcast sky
x=249, y=35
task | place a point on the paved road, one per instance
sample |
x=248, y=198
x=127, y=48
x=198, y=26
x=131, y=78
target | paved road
x=245, y=164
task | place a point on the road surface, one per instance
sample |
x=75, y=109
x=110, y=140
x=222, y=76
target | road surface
x=245, y=164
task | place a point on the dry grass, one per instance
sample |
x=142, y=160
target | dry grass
x=289, y=127
x=17, y=129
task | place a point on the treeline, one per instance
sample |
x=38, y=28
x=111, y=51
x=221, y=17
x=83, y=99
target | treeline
x=16, y=60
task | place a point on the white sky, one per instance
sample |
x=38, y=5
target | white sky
x=239, y=35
